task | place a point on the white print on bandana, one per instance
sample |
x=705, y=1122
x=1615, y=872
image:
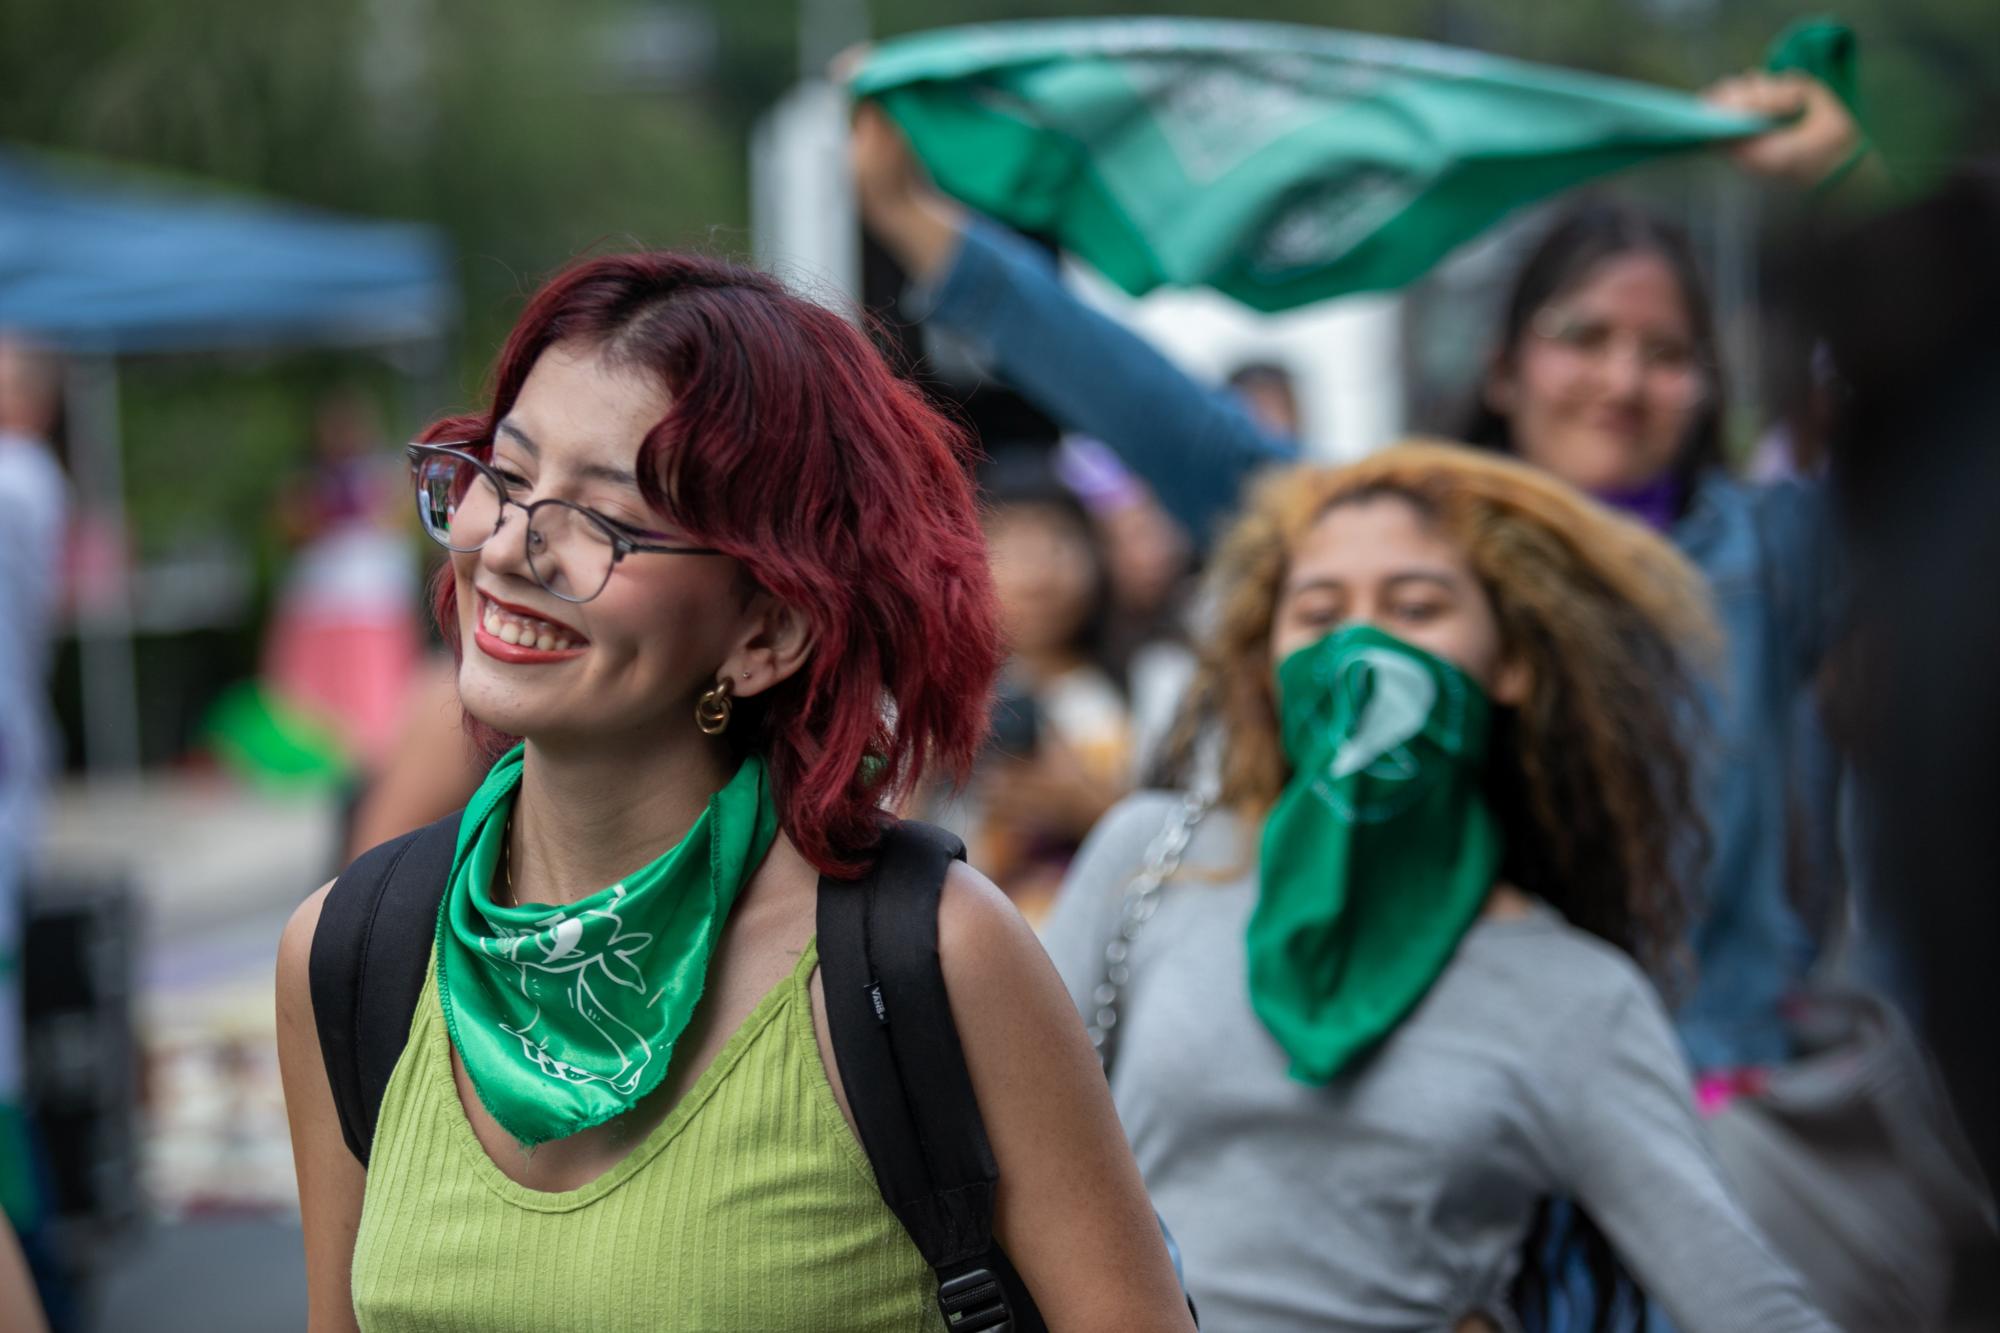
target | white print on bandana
x=1399, y=702
x=1401, y=697
x=557, y=966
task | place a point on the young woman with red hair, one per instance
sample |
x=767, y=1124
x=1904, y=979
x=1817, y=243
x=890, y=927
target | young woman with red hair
x=721, y=574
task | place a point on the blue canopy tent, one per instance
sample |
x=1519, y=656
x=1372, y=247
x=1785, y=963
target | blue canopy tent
x=101, y=263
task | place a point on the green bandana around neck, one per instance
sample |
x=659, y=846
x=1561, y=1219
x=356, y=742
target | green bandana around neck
x=1379, y=853
x=566, y=1016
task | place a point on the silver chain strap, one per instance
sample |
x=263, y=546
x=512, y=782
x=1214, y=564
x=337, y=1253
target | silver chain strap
x=1142, y=899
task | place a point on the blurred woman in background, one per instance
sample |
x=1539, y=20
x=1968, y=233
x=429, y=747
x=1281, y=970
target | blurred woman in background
x=34, y=496
x=1607, y=373
x=1061, y=751
x=345, y=641
x=1375, y=1001
x=1151, y=563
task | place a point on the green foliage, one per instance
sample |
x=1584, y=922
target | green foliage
x=494, y=120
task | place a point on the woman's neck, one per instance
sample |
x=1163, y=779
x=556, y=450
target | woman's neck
x=1656, y=503
x=1507, y=903
x=586, y=817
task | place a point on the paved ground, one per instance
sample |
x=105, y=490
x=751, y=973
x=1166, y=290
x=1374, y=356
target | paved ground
x=217, y=871
x=241, y=1275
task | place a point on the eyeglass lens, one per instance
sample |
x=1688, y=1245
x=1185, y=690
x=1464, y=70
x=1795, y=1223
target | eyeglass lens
x=462, y=508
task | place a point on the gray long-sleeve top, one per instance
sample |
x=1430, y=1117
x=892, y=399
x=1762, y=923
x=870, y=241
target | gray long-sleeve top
x=1398, y=1196
x=1766, y=552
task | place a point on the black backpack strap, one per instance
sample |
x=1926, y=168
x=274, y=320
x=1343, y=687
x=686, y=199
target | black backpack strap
x=889, y=1020
x=369, y=955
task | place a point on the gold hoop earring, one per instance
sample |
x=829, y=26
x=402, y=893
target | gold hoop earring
x=711, y=714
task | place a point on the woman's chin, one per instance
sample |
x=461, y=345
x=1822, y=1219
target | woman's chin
x=501, y=709
x=562, y=730
x=1604, y=467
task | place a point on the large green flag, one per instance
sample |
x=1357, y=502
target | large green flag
x=1281, y=164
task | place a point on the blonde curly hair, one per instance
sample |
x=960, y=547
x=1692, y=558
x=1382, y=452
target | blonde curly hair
x=1592, y=776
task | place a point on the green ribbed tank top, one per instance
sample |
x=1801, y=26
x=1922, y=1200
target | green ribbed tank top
x=751, y=1207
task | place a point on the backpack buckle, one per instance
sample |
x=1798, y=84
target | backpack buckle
x=975, y=1301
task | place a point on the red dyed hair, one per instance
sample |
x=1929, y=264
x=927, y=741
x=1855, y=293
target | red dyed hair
x=790, y=446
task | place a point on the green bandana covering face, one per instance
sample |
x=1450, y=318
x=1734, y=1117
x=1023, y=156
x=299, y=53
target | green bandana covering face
x=566, y=1016
x=1379, y=853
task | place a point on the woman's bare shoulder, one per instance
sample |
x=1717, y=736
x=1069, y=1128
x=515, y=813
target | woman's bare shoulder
x=295, y=953
x=982, y=936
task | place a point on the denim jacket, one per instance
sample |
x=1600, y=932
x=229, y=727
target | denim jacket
x=1766, y=552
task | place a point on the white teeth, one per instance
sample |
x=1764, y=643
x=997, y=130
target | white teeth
x=525, y=631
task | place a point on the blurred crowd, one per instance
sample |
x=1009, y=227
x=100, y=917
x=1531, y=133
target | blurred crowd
x=1788, y=851
x=1809, y=951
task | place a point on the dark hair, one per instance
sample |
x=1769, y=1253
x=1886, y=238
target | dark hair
x=1024, y=477
x=1581, y=239
x=1563, y=1243
x=1905, y=302
x=1253, y=373
x=789, y=446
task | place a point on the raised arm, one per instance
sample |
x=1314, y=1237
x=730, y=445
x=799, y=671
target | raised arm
x=1630, y=1149
x=1819, y=147
x=1072, y=1212
x=1822, y=148
x=1193, y=446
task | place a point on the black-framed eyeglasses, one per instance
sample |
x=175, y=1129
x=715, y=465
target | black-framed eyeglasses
x=571, y=550
x=1679, y=364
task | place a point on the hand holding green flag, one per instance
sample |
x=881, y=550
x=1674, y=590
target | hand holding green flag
x=1280, y=164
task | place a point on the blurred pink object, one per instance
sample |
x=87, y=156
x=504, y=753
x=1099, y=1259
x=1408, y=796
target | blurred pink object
x=346, y=641
x=353, y=675
x=1715, y=1090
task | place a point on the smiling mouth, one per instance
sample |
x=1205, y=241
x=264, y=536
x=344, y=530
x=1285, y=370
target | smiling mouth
x=1616, y=422
x=516, y=628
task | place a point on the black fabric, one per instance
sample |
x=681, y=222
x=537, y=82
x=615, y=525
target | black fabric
x=901, y=1064
x=369, y=955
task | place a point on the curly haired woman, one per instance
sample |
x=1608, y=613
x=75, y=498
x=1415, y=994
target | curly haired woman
x=1395, y=996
